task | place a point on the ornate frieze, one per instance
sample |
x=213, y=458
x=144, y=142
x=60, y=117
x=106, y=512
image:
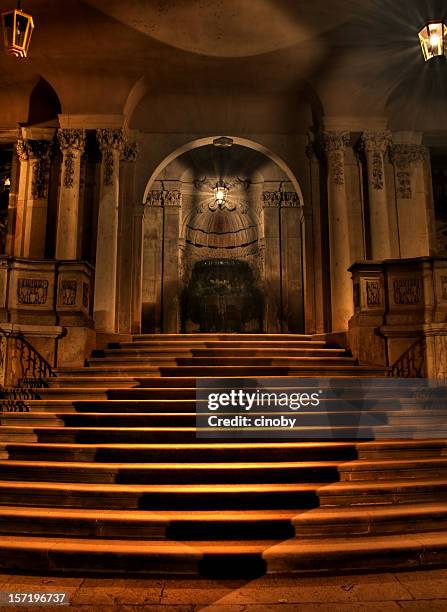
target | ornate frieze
x=164, y=198
x=408, y=291
x=334, y=144
x=109, y=141
x=85, y=295
x=67, y=292
x=404, y=157
x=32, y=291
x=373, y=293
x=72, y=143
x=283, y=199
x=375, y=145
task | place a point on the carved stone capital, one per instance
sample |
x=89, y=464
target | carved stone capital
x=376, y=142
x=163, y=198
x=71, y=139
x=334, y=144
x=404, y=157
x=129, y=152
x=72, y=144
x=110, y=141
x=39, y=153
x=281, y=199
x=271, y=199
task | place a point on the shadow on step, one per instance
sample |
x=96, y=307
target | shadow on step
x=232, y=566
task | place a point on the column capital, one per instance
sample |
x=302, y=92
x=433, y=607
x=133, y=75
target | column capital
x=110, y=141
x=39, y=152
x=376, y=142
x=72, y=143
x=407, y=154
x=129, y=152
x=163, y=198
x=335, y=141
x=280, y=199
x=71, y=139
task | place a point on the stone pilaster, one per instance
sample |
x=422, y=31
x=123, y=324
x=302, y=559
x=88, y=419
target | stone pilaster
x=72, y=143
x=409, y=162
x=375, y=145
x=111, y=143
x=272, y=261
x=32, y=197
x=335, y=144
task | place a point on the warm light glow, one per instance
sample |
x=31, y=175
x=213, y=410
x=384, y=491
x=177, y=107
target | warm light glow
x=433, y=39
x=18, y=28
x=220, y=193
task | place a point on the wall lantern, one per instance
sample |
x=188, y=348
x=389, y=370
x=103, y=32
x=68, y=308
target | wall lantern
x=18, y=27
x=220, y=194
x=433, y=39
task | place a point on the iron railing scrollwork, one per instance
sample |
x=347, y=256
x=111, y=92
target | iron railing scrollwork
x=411, y=364
x=23, y=370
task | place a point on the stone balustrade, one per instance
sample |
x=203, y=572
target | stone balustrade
x=50, y=303
x=400, y=313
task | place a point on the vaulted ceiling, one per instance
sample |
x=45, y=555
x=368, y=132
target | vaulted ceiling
x=184, y=65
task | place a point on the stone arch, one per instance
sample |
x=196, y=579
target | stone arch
x=169, y=258
x=244, y=142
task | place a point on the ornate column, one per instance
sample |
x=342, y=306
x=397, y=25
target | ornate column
x=129, y=244
x=272, y=259
x=152, y=256
x=339, y=247
x=375, y=145
x=32, y=197
x=171, y=274
x=111, y=143
x=409, y=161
x=72, y=144
x=291, y=264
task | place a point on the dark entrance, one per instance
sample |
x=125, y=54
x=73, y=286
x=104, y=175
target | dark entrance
x=222, y=297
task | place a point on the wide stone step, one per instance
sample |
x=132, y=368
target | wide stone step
x=168, y=473
x=265, y=361
x=221, y=336
x=363, y=470
x=370, y=521
x=272, y=371
x=388, y=492
x=146, y=525
x=215, y=558
x=159, y=496
x=168, y=345
x=220, y=351
x=183, y=453
x=118, y=381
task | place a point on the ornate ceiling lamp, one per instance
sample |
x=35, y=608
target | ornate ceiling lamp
x=220, y=194
x=433, y=39
x=18, y=28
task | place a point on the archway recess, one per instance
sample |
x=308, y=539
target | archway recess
x=259, y=229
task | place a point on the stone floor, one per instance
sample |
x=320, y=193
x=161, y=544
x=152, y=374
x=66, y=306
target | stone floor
x=421, y=591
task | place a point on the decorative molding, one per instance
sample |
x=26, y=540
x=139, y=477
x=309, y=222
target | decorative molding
x=375, y=145
x=110, y=141
x=129, y=152
x=334, y=144
x=72, y=144
x=164, y=198
x=373, y=293
x=408, y=291
x=67, y=292
x=283, y=199
x=39, y=152
x=32, y=291
x=404, y=157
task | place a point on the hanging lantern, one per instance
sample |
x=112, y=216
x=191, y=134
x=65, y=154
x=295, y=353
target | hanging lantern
x=220, y=194
x=18, y=27
x=433, y=39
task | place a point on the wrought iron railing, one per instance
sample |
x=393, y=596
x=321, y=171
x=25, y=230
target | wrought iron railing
x=411, y=364
x=23, y=370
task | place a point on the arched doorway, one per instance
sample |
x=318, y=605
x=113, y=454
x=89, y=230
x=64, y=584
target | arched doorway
x=230, y=265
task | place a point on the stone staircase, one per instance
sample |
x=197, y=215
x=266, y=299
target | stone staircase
x=105, y=473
